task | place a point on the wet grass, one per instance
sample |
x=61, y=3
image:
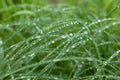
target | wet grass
x=72, y=40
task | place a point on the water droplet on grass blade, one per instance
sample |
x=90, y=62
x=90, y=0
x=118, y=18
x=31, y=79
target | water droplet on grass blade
x=87, y=39
x=31, y=55
x=67, y=50
x=85, y=32
x=22, y=77
x=71, y=22
x=73, y=46
x=1, y=49
x=1, y=57
x=63, y=36
x=1, y=42
x=71, y=34
x=37, y=37
x=53, y=42
x=67, y=24
x=99, y=20
x=99, y=31
x=90, y=38
x=83, y=28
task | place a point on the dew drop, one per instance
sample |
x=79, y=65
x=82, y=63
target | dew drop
x=98, y=70
x=31, y=55
x=20, y=74
x=81, y=38
x=73, y=46
x=67, y=24
x=71, y=22
x=105, y=63
x=70, y=34
x=55, y=60
x=104, y=19
x=99, y=31
x=87, y=39
x=37, y=37
x=99, y=20
x=1, y=42
x=22, y=77
x=83, y=28
x=53, y=42
x=85, y=32
x=1, y=49
x=63, y=36
x=67, y=35
x=67, y=50
x=90, y=38
x=76, y=22
x=114, y=23
x=33, y=43
x=106, y=26
x=11, y=59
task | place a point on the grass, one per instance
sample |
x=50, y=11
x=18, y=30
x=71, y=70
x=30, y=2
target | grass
x=61, y=40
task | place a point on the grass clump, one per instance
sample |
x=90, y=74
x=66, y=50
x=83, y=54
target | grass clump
x=61, y=40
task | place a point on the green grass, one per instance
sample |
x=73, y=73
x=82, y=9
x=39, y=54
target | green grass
x=59, y=40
